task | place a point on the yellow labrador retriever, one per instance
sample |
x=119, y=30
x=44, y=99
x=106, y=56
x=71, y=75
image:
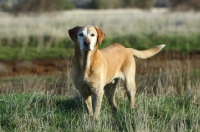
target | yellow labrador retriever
x=97, y=71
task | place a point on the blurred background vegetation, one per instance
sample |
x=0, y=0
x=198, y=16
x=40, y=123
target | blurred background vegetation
x=40, y=34
x=57, y=5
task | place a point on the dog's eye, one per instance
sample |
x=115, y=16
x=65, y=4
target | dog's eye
x=92, y=35
x=81, y=34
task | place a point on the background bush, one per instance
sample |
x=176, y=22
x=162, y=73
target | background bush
x=56, y=5
x=184, y=5
x=42, y=6
x=102, y=4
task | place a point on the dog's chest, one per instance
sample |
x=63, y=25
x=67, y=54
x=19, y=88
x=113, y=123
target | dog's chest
x=87, y=86
x=91, y=82
x=87, y=83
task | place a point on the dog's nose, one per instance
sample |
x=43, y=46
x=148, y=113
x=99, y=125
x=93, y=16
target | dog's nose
x=87, y=42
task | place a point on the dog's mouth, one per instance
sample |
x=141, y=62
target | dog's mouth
x=86, y=49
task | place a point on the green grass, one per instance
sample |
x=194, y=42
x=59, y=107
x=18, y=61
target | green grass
x=36, y=48
x=195, y=73
x=31, y=53
x=36, y=112
x=180, y=43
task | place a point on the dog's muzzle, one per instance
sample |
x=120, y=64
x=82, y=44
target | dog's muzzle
x=86, y=45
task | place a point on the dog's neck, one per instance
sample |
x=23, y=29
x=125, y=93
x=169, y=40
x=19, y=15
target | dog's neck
x=86, y=57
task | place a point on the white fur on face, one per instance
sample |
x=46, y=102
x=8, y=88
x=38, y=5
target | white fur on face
x=87, y=33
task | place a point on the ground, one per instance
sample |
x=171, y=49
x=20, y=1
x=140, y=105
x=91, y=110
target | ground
x=40, y=67
x=49, y=66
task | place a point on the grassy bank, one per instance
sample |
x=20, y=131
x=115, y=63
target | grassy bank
x=35, y=112
x=36, y=36
x=42, y=47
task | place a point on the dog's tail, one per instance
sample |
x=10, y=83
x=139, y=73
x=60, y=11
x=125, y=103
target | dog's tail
x=147, y=53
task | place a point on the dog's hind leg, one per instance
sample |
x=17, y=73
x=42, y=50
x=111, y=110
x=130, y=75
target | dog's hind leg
x=110, y=94
x=130, y=90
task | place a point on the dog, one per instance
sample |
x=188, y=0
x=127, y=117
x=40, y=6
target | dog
x=95, y=72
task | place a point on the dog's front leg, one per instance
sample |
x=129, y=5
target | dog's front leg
x=97, y=102
x=88, y=103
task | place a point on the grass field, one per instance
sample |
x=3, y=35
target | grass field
x=52, y=104
x=168, y=94
x=45, y=113
x=167, y=100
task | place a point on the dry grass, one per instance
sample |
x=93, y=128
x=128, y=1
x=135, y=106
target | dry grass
x=159, y=75
x=113, y=22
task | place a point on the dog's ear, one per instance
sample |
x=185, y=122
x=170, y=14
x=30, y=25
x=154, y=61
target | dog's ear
x=73, y=33
x=101, y=35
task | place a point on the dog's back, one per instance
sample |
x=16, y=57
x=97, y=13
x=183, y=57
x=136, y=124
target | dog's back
x=118, y=49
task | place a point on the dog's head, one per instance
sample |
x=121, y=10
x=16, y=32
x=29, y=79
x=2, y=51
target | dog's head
x=86, y=37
